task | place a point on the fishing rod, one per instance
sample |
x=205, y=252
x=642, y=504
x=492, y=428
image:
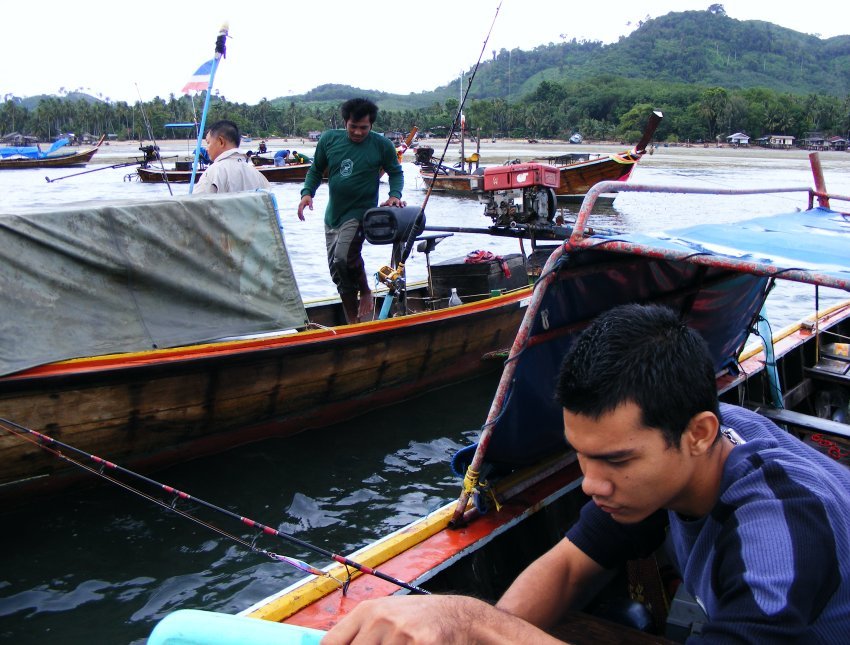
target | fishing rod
x=150, y=134
x=85, y=172
x=395, y=276
x=459, y=114
x=55, y=447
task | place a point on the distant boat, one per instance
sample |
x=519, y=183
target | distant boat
x=576, y=138
x=578, y=173
x=285, y=173
x=182, y=173
x=33, y=157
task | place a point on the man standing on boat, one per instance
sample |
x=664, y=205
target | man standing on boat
x=230, y=171
x=354, y=159
x=758, y=521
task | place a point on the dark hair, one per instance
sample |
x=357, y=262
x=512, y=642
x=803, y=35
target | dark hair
x=642, y=354
x=358, y=108
x=228, y=130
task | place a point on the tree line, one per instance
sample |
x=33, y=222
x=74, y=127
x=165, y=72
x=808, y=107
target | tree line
x=603, y=108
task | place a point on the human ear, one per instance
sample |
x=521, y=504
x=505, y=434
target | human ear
x=701, y=433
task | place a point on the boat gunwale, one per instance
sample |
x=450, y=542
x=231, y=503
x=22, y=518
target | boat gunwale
x=227, y=348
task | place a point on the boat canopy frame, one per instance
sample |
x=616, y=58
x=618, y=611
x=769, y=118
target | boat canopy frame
x=717, y=275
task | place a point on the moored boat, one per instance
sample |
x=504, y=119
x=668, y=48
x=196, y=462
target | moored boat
x=718, y=277
x=177, y=329
x=286, y=173
x=577, y=173
x=51, y=160
x=182, y=175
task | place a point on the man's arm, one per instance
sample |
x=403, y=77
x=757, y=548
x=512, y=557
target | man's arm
x=314, y=178
x=534, y=602
x=204, y=184
x=559, y=579
x=432, y=619
x=392, y=167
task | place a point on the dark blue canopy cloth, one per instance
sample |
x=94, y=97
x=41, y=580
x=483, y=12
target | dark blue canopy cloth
x=716, y=275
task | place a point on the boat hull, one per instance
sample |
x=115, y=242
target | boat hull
x=578, y=178
x=152, y=175
x=460, y=183
x=575, y=179
x=162, y=407
x=74, y=160
x=287, y=173
x=275, y=174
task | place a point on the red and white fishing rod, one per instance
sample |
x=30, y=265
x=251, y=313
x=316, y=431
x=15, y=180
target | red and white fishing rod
x=56, y=447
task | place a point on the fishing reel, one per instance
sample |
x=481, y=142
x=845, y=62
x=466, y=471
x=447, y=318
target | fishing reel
x=520, y=194
x=392, y=278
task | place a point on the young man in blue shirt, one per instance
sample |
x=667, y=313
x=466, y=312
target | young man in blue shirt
x=759, y=522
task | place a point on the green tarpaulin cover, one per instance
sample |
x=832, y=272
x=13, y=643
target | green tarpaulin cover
x=110, y=277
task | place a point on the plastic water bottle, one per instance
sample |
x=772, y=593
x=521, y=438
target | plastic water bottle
x=454, y=299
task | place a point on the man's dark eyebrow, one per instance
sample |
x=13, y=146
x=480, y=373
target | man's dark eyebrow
x=609, y=456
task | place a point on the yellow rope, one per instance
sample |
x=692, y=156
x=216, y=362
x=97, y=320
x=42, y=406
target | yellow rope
x=471, y=486
x=493, y=497
x=470, y=481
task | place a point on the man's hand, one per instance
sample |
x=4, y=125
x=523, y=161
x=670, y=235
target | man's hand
x=401, y=619
x=432, y=620
x=307, y=201
x=394, y=201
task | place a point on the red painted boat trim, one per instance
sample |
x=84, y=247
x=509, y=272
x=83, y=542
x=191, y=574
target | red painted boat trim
x=433, y=553
x=234, y=347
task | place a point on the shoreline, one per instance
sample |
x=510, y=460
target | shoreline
x=112, y=152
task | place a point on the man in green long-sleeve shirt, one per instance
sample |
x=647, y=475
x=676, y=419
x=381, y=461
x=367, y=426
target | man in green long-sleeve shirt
x=354, y=158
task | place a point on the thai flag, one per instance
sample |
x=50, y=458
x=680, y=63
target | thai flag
x=200, y=80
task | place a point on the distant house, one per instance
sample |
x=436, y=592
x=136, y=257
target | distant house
x=837, y=143
x=813, y=141
x=738, y=139
x=314, y=135
x=783, y=141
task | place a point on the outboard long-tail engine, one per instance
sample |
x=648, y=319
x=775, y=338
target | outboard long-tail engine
x=520, y=193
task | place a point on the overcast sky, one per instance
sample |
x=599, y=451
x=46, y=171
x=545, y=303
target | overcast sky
x=281, y=47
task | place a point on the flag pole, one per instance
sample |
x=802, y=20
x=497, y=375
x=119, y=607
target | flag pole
x=220, y=51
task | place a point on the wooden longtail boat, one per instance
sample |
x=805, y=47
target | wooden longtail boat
x=150, y=174
x=718, y=276
x=454, y=182
x=275, y=174
x=576, y=177
x=286, y=173
x=66, y=160
x=176, y=329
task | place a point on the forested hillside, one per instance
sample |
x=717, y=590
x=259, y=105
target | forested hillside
x=701, y=47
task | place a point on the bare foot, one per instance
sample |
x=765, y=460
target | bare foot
x=366, y=310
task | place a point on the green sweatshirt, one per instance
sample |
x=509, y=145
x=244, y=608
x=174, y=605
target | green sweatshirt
x=354, y=171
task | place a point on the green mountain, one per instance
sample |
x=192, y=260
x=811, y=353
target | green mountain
x=31, y=102
x=704, y=48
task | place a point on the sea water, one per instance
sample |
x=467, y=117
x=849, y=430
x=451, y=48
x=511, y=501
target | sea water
x=104, y=565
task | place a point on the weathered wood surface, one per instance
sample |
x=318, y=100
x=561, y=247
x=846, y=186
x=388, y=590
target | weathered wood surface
x=163, y=406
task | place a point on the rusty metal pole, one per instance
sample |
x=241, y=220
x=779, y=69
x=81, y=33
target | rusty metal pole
x=820, y=182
